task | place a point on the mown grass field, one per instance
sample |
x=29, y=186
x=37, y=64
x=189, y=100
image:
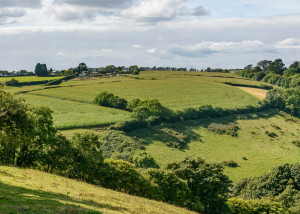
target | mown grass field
x=253, y=150
x=71, y=101
x=71, y=114
x=29, y=78
x=173, y=91
x=29, y=191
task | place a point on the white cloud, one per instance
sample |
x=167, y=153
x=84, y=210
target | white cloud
x=20, y=3
x=290, y=43
x=162, y=10
x=98, y=3
x=208, y=47
x=7, y=15
x=152, y=51
x=136, y=46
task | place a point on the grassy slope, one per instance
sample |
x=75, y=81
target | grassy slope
x=70, y=114
x=262, y=152
x=29, y=191
x=29, y=78
x=176, y=90
x=173, y=90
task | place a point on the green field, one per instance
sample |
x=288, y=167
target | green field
x=71, y=101
x=173, y=91
x=72, y=105
x=29, y=78
x=261, y=151
x=29, y=191
x=71, y=114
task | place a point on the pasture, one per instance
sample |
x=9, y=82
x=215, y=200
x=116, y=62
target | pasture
x=71, y=114
x=172, y=90
x=254, y=150
x=29, y=78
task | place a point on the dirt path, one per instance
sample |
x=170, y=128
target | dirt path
x=257, y=92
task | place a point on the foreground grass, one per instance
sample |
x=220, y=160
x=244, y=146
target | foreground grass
x=29, y=78
x=254, y=151
x=29, y=191
x=70, y=114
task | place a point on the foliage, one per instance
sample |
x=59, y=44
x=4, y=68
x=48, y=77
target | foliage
x=41, y=70
x=116, y=145
x=24, y=131
x=12, y=82
x=230, y=128
x=173, y=189
x=239, y=206
x=282, y=182
x=142, y=159
x=285, y=99
x=122, y=176
x=110, y=100
x=206, y=181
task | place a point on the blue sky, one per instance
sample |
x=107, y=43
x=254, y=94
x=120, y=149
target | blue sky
x=181, y=33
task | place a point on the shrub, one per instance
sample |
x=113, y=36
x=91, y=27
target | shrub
x=239, y=206
x=230, y=129
x=12, y=82
x=110, y=100
x=207, y=183
x=296, y=143
x=142, y=159
x=122, y=176
x=116, y=145
x=174, y=190
x=230, y=163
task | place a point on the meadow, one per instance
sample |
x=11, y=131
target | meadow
x=71, y=101
x=30, y=191
x=71, y=114
x=252, y=149
x=29, y=78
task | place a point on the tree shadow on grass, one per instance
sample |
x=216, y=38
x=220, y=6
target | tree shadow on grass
x=15, y=199
x=179, y=134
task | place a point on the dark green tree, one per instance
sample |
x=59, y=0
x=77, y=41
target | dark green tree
x=206, y=181
x=41, y=70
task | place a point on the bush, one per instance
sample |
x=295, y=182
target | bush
x=12, y=82
x=207, y=183
x=229, y=129
x=122, y=176
x=173, y=189
x=239, y=206
x=110, y=100
x=142, y=159
x=116, y=145
x=230, y=163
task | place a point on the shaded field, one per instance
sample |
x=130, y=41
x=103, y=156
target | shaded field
x=29, y=191
x=255, y=149
x=30, y=78
x=70, y=114
x=174, y=91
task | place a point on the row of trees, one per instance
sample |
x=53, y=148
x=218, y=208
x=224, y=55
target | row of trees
x=274, y=72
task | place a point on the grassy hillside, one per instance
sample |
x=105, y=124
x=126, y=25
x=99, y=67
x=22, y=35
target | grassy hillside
x=29, y=191
x=71, y=101
x=72, y=114
x=255, y=149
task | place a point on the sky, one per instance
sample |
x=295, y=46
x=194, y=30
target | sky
x=175, y=33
